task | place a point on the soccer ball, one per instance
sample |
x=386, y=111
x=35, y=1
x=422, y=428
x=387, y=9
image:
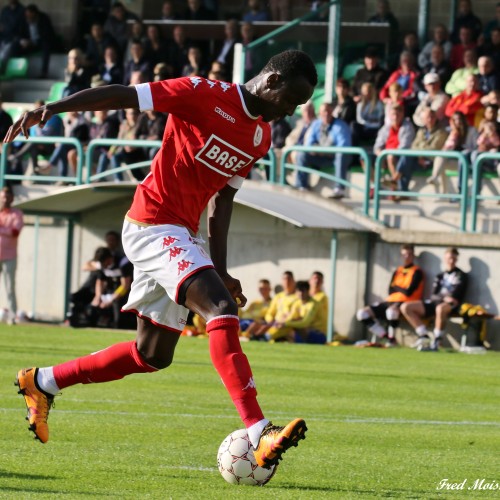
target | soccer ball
x=237, y=464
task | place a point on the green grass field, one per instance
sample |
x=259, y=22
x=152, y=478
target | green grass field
x=382, y=423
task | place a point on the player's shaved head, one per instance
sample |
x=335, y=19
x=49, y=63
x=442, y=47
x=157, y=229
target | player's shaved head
x=292, y=64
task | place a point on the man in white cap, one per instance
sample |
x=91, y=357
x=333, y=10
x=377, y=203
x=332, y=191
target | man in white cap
x=433, y=98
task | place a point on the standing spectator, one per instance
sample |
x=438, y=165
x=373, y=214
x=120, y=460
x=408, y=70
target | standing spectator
x=111, y=71
x=406, y=285
x=448, y=292
x=384, y=15
x=457, y=82
x=468, y=101
x=195, y=66
x=466, y=42
x=465, y=18
x=371, y=72
x=433, y=98
x=325, y=131
x=12, y=23
x=116, y=25
x=38, y=36
x=439, y=39
x=11, y=223
x=399, y=134
x=344, y=107
x=439, y=65
x=155, y=45
x=280, y=10
x=494, y=24
x=97, y=42
x=138, y=62
x=369, y=116
x=317, y=293
x=255, y=12
x=488, y=77
x=225, y=52
x=298, y=134
x=76, y=75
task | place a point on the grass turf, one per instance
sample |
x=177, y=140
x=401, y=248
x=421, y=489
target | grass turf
x=382, y=423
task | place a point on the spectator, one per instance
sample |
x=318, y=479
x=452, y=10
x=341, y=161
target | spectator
x=11, y=223
x=253, y=62
x=161, y=72
x=316, y=291
x=460, y=138
x=104, y=126
x=448, y=292
x=438, y=65
x=434, y=98
x=439, y=39
x=255, y=12
x=298, y=134
x=325, y=131
x=155, y=46
x=38, y=36
x=127, y=154
x=279, y=132
x=168, y=11
x=406, y=285
x=97, y=43
x=116, y=25
x=411, y=45
x=114, y=245
x=344, y=107
x=12, y=21
x=253, y=317
x=111, y=72
x=492, y=48
x=395, y=99
x=178, y=50
x=457, y=52
x=304, y=319
x=150, y=127
x=225, y=52
x=280, y=10
x=466, y=18
x=490, y=116
x=138, y=62
x=384, y=15
x=488, y=77
x=468, y=101
x=399, y=134
x=369, y=116
x=406, y=76
x=137, y=34
x=492, y=98
x=196, y=11
x=195, y=66
x=371, y=72
x=76, y=75
x=458, y=79
x=430, y=137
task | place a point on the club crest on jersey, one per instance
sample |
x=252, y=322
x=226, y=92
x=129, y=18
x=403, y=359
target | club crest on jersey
x=257, y=137
x=222, y=157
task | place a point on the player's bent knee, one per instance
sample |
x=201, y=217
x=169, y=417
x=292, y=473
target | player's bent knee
x=159, y=361
x=362, y=314
x=392, y=313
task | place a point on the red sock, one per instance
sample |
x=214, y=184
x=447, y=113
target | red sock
x=112, y=363
x=233, y=367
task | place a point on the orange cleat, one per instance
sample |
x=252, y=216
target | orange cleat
x=37, y=403
x=274, y=441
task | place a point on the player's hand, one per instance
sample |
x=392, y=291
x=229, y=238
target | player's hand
x=234, y=287
x=38, y=116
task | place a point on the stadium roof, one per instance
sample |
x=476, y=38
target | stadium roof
x=297, y=210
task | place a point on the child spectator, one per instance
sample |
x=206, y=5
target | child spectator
x=395, y=98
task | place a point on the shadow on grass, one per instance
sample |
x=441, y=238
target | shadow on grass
x=22, y=475
x=38, y=492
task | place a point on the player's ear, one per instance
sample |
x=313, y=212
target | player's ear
x=273, y=81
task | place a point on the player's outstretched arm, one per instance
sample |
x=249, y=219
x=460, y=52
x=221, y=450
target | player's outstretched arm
x=101, y=98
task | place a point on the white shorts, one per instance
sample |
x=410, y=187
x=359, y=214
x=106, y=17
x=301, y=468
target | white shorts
x=163, y=257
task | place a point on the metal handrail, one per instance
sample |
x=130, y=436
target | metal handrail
x=377, y=192
x=77, y=179
x=476, y=175
x=331, y=150
x=116, y=142
x=270, y=161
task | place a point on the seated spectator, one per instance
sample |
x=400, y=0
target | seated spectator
x=155, y=45
x=439, y=39
x=196, y=11
x=439, y=65
x=448, y=292
x=253, y=61
x=12, y=22
x=255, y=12
x=298, y=134
x=494, y=24
x=178, y=50
x=369, y=116
x=457, y=52
x=395, y=99
x=137, y=34
x=161, y=72
x=490, y=116
x=406, y=76
x=460, y=138
x=371, y=72
x=384, y=15
x=457, y=82
x=304, y=319
x=224, y=52
x=399, y=134
x=466, y=18
x=195, y=65
x=411, y=45
x=325, y=131
x=433, y=98
x=488, y=77
x=97, y=43
x=104, y=126
x=111, y=71
x=138, y=62
x=468, y=101
x=253, y=317
x=116, y=25
x=168, y=11
x=38, y=35
x=344, y=107
x=492, y=98
x=127, y=154
x=150, y=127
x=76, y=75
x=317, y=293
x=406, y=285
x=492, y=48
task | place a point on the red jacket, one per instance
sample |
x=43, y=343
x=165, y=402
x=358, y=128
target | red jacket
x=409, y=92
x=468, y=104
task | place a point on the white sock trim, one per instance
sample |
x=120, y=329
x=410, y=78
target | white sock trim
x=224, y=316
x=255, y=430
x=46, y=381
x=421, y=330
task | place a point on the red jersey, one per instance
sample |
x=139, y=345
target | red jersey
x=210, y=140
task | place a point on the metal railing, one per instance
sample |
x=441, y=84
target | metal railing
x=330, y=150
x=476, y=179
x=77, y=178
x=462, y=196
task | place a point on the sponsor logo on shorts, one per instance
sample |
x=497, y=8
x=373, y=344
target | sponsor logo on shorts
x=222, y=157
x=175, y=252
x=183, y=265
x=225, y=115
x=182, y=321
x=168, y=241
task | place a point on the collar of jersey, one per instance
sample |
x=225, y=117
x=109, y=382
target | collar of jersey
x=243, y=103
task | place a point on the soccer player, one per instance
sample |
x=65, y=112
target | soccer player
x=215, y=132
